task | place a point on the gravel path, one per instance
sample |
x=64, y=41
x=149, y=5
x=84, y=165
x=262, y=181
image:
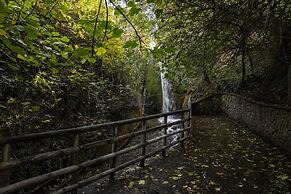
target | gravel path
x=221, y=157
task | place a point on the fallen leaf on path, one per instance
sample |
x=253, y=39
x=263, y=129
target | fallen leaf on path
x=175, y=178
x=131, y=184
x=220, y=173
x=165, y=183
x=283, y=177
x=212, y=183
x=217, y=189
x=190, y=173
x=141, y=182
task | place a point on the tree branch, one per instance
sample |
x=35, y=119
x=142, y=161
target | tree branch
x=95, y=25
x=33, y=8
x=135, y=30
x=106, y=27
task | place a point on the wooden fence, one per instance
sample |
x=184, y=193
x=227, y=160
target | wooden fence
x=8, y=163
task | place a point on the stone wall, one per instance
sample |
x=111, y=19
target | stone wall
x=207, y=105
x=271, y=122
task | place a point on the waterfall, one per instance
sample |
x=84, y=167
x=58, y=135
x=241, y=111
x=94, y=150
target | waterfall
x=168, y=101
x=168, y=106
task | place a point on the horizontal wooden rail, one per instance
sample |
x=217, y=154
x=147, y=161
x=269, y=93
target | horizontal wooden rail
x=72, y=150
x=55, y=133
x=76, y=166
x=122, y=166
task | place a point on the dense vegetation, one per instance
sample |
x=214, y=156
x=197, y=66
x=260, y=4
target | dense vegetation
x=66, y=63
x=84, y=61
x=77, y=62
x=232, y=45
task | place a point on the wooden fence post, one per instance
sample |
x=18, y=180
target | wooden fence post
x=289, y=85
x=165, y=133
x=5, y=175
x=143, y=151
x=76, y=160
x=113, y=149
x=183, y=127
x=192, y=112
x=189, y=124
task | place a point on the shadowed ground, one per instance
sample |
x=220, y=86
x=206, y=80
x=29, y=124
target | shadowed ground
x=221, y=157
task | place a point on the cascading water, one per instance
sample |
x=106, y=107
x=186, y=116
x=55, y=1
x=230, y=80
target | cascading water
x=168, y=100
x=168, y=106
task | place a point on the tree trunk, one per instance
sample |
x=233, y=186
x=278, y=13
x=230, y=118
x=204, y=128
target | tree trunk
x=144, y=85
x=251, y=64
x=243, y=65
x=243, y=60
x=289, y=85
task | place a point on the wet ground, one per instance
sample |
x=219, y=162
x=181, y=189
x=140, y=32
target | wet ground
x=221, y=157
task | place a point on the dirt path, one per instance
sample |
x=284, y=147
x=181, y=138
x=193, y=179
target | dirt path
x=221, y=157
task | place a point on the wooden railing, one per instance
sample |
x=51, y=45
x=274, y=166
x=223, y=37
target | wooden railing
x=8, y=163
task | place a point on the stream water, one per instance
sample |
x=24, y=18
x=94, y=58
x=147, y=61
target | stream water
x=168, y=106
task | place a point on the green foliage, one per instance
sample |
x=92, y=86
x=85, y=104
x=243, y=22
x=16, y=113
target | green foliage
x=130, y=44
x=153, y=82
x=225, y=40
x=48, y=61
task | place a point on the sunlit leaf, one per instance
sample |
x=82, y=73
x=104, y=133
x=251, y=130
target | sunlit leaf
x=134, y=10
x=117, y=32
x=100, y=51
x=130, y=44
x=19, y=56
x=117, y=12
x=55, y=33
x=65, y=39
x=81, y=52
x=2, y=32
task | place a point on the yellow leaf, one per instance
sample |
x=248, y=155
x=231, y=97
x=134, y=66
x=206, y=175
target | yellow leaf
x=131, y=184
x=212, y=183
x=283, y=177
x=2, y=32
x=190, y=173
x=141, y=182
x=175, y=178
x=220, y=173
x=100, y=51
x=165, y=182
x=185, y=186
x=19, y=56
x=217, y=189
